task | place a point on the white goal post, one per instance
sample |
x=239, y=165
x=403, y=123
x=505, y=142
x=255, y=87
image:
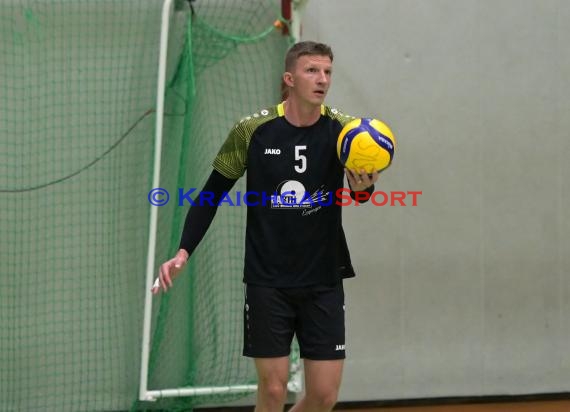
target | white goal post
x=145, y=394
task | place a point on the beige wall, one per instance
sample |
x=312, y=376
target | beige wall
x=469, y=292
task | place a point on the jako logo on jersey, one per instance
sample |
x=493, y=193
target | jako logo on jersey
x=273, y=151
x=339, y=347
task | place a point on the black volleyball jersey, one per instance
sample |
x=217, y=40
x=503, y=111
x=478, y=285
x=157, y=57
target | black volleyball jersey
x=294, y=234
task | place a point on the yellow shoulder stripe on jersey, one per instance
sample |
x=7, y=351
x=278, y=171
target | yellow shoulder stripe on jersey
x=281, y=109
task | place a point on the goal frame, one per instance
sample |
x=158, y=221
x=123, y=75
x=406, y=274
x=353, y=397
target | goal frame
x=291, y=13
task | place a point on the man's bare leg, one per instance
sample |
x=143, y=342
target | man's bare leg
x=322, y=383
x=273, y=374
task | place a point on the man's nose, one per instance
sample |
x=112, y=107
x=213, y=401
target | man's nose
x=323, y=77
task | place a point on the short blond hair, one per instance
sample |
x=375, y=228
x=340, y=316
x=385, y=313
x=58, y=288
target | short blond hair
x=306, y=48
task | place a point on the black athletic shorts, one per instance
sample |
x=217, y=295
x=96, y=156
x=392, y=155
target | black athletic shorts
x=315, y=314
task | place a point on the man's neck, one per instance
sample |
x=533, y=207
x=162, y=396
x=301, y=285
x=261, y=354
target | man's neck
x=301, y=115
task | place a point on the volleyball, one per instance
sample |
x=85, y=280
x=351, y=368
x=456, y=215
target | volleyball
x=367, y=144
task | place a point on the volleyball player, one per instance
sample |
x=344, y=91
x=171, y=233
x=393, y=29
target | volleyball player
x=296, y=255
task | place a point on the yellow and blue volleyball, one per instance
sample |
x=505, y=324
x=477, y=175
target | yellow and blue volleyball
x=367, y=144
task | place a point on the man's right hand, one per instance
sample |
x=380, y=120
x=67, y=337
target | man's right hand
x=168, y=271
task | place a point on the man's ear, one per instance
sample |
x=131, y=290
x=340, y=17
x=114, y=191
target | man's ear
x=288, y=79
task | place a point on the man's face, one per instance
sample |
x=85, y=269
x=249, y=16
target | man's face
x=311, y=78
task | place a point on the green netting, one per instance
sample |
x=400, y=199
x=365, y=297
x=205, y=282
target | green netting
x=77, y=101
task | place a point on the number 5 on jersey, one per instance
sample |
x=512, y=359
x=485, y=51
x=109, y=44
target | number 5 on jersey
x=300, y=158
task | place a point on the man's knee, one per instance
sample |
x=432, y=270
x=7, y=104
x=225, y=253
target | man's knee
x=274, y=392
x=323, y=400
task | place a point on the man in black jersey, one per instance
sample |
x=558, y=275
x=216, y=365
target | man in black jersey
x=296, y=255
